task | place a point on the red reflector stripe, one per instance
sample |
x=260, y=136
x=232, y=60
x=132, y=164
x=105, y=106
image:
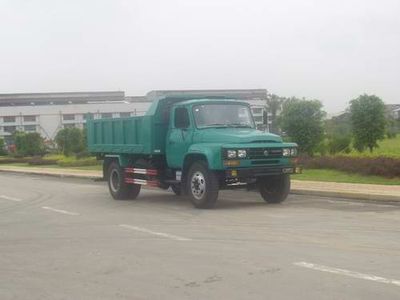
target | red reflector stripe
x=154, y=183
x=152, y=172
x=141, y=171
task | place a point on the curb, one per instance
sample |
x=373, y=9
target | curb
x=295, y=191
x=348, y=195
x=51, y=174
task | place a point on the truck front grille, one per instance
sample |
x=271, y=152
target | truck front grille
x=263, y=153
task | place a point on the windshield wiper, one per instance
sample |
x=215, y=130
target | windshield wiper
x=240, y=125
x=221, y=125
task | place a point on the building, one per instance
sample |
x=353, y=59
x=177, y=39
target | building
x=396, y=113
x=393, y=110
x=47, y=113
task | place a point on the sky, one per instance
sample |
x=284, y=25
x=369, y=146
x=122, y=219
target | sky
x=332, y=51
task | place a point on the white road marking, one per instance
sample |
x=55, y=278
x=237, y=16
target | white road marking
x=61, y=211
x=166, y=235
x=10, y=198
x=361, y=204
x=346, y=202
x=347, y=273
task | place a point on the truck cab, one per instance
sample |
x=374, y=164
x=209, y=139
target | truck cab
x=196, y=146
x=219, y=137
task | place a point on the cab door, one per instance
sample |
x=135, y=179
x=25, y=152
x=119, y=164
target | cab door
x=179, y=137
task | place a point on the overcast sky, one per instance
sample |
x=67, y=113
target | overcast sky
x=327, y=50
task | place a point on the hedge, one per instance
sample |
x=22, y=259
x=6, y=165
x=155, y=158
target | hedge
x=12, y=160
x=379, y=166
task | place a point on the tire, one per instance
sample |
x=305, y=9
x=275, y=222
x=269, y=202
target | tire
x=274, y=189
x=134, y=191
x=120, y=190
x=177, y=189
x=202, y=185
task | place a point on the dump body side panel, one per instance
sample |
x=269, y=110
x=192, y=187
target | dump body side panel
x=134, y=135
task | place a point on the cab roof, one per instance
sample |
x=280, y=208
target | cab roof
x=207, y=101
x=163, y=100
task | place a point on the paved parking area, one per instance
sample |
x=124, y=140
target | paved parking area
x=66, y=239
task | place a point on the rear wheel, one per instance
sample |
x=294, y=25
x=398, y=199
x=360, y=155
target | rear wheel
x=202, y=185
x=120, y=190
x=274, y=189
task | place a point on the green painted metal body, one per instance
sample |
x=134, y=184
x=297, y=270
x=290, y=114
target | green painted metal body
x=134, y=135
x=154, y=135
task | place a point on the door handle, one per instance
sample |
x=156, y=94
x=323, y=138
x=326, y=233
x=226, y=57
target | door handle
x=171, y=142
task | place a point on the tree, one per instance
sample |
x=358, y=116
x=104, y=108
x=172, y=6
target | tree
x=392, y=126
x=274, y=105
x=338, y=133
x=339, y=143
x=29, y=144
x=302, y=120
x=338, y=125
x=2, y=147
x=368, y=121
x=70, y=141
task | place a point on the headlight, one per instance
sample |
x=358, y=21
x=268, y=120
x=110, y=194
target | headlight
x=286, y=151
x=293, y=152
x=241, y=153
x=231, y=153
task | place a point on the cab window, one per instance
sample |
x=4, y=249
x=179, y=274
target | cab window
x=181, y=118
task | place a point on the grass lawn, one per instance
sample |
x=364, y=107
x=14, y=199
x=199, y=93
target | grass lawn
x=387, y=147
x=63, y=162
x=339, y=176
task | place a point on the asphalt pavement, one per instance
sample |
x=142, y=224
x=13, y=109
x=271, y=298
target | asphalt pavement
x=65, y=238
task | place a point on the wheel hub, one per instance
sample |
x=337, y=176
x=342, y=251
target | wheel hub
x=198, y=185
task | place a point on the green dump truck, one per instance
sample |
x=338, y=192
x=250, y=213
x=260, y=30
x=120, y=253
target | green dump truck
x=195, y=143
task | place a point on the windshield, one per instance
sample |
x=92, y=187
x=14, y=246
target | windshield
x=223, y=115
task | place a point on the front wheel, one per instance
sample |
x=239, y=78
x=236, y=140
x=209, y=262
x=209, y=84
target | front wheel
x=274, y=189
x=202, y=185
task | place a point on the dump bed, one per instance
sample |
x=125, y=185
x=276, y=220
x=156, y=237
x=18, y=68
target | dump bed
x=136, y=135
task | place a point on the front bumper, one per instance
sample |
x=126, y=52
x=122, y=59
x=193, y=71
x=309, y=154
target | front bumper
x=262, y=171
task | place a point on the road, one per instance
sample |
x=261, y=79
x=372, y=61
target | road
x=66, y=239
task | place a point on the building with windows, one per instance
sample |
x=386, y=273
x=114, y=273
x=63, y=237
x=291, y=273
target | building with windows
x=47, y=113
x=393, y=110
x=396, y=113
x=261, y=117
